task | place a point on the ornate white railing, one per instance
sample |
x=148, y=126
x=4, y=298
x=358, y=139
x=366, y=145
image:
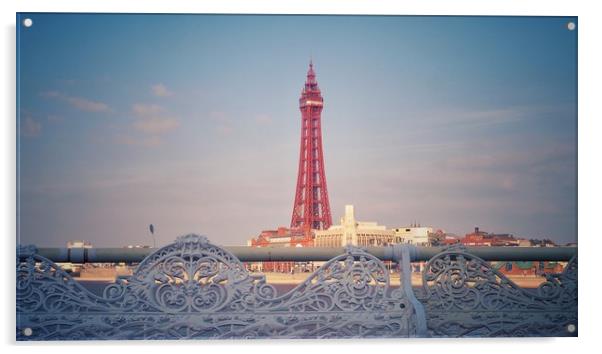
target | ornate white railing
x=193, y=289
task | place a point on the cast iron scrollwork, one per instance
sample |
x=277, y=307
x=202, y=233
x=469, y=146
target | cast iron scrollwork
x=193, y=289
x=465, y=296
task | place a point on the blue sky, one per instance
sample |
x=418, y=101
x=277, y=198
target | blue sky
x=191, y=122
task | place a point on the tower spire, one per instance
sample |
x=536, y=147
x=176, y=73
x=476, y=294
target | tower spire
x=311, y=75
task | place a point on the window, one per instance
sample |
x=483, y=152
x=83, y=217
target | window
x=508, y=266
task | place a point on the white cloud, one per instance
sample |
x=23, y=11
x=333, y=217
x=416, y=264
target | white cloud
x=150, y=141
x=50, y=94
x=156, y=125
x=31, y=127
x=160, y=90
x=55, y=119
x=87, y=105
x=151, y=119
x=80, y=103
x=145, y=110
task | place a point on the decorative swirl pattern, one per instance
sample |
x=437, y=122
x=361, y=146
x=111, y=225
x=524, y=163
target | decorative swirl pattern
x=193, y=289
x=189, y=276
x=354, y=281
x=465, y=296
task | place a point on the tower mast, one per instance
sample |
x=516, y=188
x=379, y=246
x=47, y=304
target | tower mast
x=311, y=209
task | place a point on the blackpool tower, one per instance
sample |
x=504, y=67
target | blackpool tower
x=311, y=209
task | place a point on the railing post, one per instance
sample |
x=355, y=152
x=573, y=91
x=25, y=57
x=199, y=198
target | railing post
x=403, y=254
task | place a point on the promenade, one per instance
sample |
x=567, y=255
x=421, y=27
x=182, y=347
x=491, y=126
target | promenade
x=286, y=278
x=287, y=281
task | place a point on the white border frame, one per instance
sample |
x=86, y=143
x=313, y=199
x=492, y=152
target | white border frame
x=590, y=175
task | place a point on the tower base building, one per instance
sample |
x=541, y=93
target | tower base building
x=353, y=232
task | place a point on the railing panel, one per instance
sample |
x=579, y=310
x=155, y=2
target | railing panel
x=193, y=289
x=464, y=296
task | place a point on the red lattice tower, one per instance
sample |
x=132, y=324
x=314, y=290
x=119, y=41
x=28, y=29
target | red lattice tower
x=311, y=209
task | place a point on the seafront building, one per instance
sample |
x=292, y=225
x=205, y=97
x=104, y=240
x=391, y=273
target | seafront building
x=79, y=244
x=482, y=238
x=414, y=235
x=353, y=232
x=282, y=237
